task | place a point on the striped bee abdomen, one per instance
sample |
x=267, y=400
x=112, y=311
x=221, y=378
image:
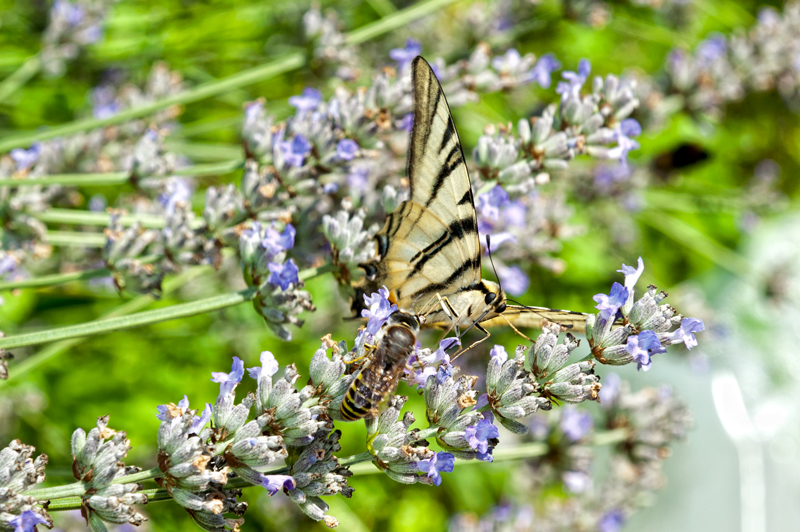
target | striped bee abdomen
x=380, y=376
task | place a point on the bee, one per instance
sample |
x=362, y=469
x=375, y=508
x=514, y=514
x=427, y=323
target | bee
x=379, y=377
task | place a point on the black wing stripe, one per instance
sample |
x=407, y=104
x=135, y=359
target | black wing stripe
x=448, y=134
x=457, y=230
x=445, y=172
x=466, y=198
x=467, y=266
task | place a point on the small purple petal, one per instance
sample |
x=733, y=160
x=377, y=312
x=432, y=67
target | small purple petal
x=274, y=483
x=632, y=274
x=346, y=149
x=283, y=275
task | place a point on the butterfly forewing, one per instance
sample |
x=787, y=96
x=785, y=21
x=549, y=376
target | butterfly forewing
x=431, y=243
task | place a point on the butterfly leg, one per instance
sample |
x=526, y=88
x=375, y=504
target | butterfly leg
x=515, y=329
x=451, y=313
x=465, y=349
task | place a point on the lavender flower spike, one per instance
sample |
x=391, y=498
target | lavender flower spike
x=439, y=463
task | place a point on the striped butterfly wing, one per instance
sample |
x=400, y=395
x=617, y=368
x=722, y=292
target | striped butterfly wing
x=532, y=317
x=430, y=244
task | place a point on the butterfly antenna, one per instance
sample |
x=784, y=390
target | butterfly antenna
x=491, y=260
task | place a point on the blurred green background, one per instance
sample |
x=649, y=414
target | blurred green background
x=127, y=373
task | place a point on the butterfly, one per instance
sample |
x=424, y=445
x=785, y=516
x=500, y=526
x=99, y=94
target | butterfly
x=429, y=247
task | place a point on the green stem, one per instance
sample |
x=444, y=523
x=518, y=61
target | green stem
x=75, y=238
x=360, y=464
x=76, y=489
x=135, y=305
x=119, y=178
x=149, y=317
x=54, y=279
x=72, y=216
x=172, y=312
x=210, y=89
x=29, y=68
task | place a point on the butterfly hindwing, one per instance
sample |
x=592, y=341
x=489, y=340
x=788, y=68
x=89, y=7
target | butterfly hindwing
x=531, y=317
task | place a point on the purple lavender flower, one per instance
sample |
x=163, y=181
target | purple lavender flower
x=623, y=132
x=330, y=188
x=408, y=122
x=404, y=56
x=274, y=483
x=98, y=203
x=346, y=149
x=433, y=467
x=357, y=179
x=164, y=410
x=541, y=72
x=269, y=366
x=605, y=176
x=421, y=375
x=610, y=390
x=576, y=481
x=575, y=423
x=632, y=274
x=198, y=422
x=228, y=381
x=8, y=267
x=489, y=203
x=25, y=158
x=27, y=521
x=295, y=150
x=103, y=104
x=444, y=371
x=642, y=347
x=711, y=49
x=478, y=436
x=608, y=305
x=275, y=242
x=611, y=521
x=574, y=80
x=379, y=310
x=507, y=62
x=71, y=13
x=252, y=110
x=177, y=191
x=307, y=101
x=515, y=281
x=440, y=355
x=685, y=333
x=499, y=352
x=283, y=275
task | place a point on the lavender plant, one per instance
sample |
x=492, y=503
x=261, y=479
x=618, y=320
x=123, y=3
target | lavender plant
x=314, y=188
x=205, y=460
